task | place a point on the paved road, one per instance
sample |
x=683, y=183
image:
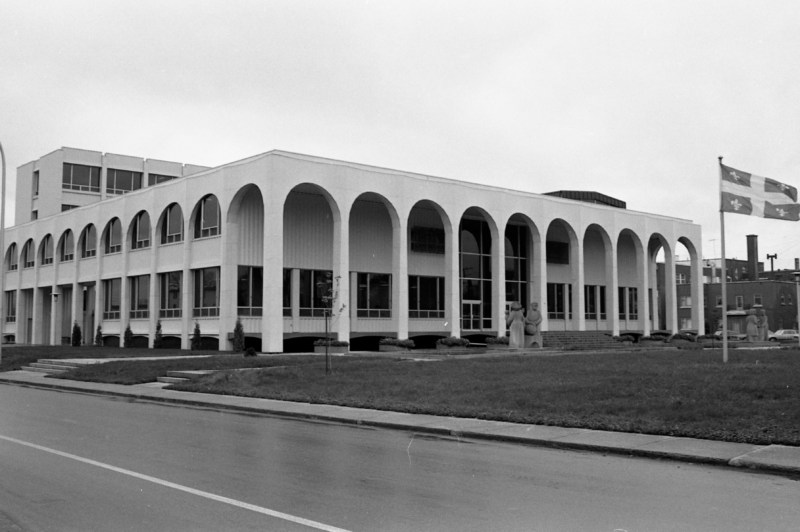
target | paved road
x=76, y=462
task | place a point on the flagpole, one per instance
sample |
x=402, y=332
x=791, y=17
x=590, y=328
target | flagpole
x=724, y=275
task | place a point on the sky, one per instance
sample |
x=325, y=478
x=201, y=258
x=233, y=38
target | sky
x=632, y=99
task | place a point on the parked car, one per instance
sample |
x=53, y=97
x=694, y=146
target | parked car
x=783, y=334
x=731, y=335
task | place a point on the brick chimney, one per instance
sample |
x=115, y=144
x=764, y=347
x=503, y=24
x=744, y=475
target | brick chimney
x=752, y=257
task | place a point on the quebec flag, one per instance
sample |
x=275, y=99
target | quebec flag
x=744, y=193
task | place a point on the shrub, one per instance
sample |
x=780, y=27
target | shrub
x=658, y=338
x=494, y=340
x=705, y=337
x=623, y=338
x=238, y=336
x=681, y=336
x=197, y=340
x=76, y=335
x=249, y=352
x=453, y=342
x=98, y=338
x=333, y=343
x=158, y=341
x=128, y=338
x=409, y=344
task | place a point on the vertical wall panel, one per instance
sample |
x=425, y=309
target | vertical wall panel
x=370, y=238
x=308, y=232
x=251, y=229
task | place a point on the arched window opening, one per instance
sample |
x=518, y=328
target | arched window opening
x=172, y=228
x=12, y=257
x=113, y=240
x=67, y=251
x=28, y=255
x=47, y=250
x=140, y=237
x=207, y=221
x=89, y=242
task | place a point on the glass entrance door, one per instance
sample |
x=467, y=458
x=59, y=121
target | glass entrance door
x=471, y=315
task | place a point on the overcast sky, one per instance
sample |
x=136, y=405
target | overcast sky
x=632, y=99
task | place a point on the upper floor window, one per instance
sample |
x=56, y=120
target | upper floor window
x=206, y=292
x=11, y=306
x=425, y=297
x=65, y=207
x=28, y=255
x=140, y=297
x=47, y=250
x=80, y=177
x=35, y=183
x=122, y=181
x=154, y=179
x=12, y=257
x=112, y=289
x=757, y=299
x=739, y=302
x=249, y=293
x=140, y=233
x=34, y=215
x=67, y=248
x=557, y=252
x=680, y=278
x=89, y=242
x=172, y=227
x=113, y=238
x=427, y=240
x=207, y=221
x=170, y=295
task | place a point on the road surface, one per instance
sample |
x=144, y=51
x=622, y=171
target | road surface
x=74, y=462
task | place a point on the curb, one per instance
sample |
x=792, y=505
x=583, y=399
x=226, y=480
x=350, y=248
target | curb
x=778, y=459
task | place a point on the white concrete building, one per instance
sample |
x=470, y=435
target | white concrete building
x=111, y=241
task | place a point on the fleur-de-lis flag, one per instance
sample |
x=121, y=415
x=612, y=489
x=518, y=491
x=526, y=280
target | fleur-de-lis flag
x=754, y=195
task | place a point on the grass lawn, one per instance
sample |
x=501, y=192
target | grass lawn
x=18, y=356
x=754, y=398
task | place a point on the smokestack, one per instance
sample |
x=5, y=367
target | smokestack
x=796, y=264
x=752, y=257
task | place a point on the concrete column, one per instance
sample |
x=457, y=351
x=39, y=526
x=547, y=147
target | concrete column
x=341, y=318
x=353, y=302
x=103, y=194
x=187, y=288
x=643, y=285
x=670, y=294
x=55, y=315
x=577, y=267
x=153, y=303
x=400, y=279
x=125, y=291
x=612, y=289
x=98, y=287
x=452, y=287
x=499, y=282
x=539, y=261
x=698, y=318
x=272, y=248
x=36, y=325
x=228, y=274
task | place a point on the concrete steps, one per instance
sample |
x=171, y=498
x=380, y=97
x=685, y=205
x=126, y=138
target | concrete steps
x=579, y=340
x=51, y=367
x=175, y=377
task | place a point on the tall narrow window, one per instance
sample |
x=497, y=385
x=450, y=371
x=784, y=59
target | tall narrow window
x=113, y=240
x=111, y=298
x=89, y=242
x=287, y=292
x=140, y=297
x=206, y=292
x=28, y=255
x=12, y=257
x=171, y=303
x=140, y=235
x=207, y=221
x=556, y=309
x=47, y=250
x=80, y=177
x=425, y=297
x=590, y=302
x=11, y=306
x=122, y=181
x=374, y=295
x=516, y=244
x=633, y=303
x=35, y=183
x=602, y=302
x=67, y=249
x=250, y=293
x=623, y=303
x=172, y=226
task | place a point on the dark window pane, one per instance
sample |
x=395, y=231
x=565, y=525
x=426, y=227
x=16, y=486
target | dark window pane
x=470, y=266
x=258, y=287
x=428, y=293
x=470, y=236
x=470, y=290
x=243, y=287
x=287, y=288
x=80, y=175
x=305, y=288
x=210, y=212
x=412, y=293
x=363, y=291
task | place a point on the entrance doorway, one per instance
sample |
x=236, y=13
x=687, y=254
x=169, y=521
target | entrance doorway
x=471, y=315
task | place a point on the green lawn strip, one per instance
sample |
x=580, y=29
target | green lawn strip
x=141, y=371
x=755, y=398
x=16, y=357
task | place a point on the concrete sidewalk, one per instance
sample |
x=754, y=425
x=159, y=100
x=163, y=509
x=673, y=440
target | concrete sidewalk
x=773, y=458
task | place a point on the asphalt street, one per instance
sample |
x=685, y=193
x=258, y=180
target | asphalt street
x=70, y=461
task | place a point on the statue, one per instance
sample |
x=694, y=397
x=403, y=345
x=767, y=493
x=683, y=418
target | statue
x=516, y=324
x=751, y=326
x=532, y=322
x=763, y=325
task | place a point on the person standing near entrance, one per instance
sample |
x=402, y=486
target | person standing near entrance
x=515, y=321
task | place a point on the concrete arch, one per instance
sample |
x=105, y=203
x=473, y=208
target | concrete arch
x=533, y=274
x=198, y=228
x=62, y=249
x=482, y=292
x=696, y=320
x=141, y=217
x=664, y=316
x=315, y=189
x=233, y=212
x=159, y=233
x=108, y=240
x=564, y=263
x=28, y=254
x=88, y=232
x=46, y=247
x=600, y=278
x=11, y=252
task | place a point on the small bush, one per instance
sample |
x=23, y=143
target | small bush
x=705, y=337
x=333, y=343
x=128, y=338
x=76, y=335
x=98, y=337
x=623, y=338
x=681, y=336
x=249, y=352
x=409, y=344
x=197, y=340
x=158, y=341
x=494, y=340
x=453, y=342
x=658, y=338
x=238, y=336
